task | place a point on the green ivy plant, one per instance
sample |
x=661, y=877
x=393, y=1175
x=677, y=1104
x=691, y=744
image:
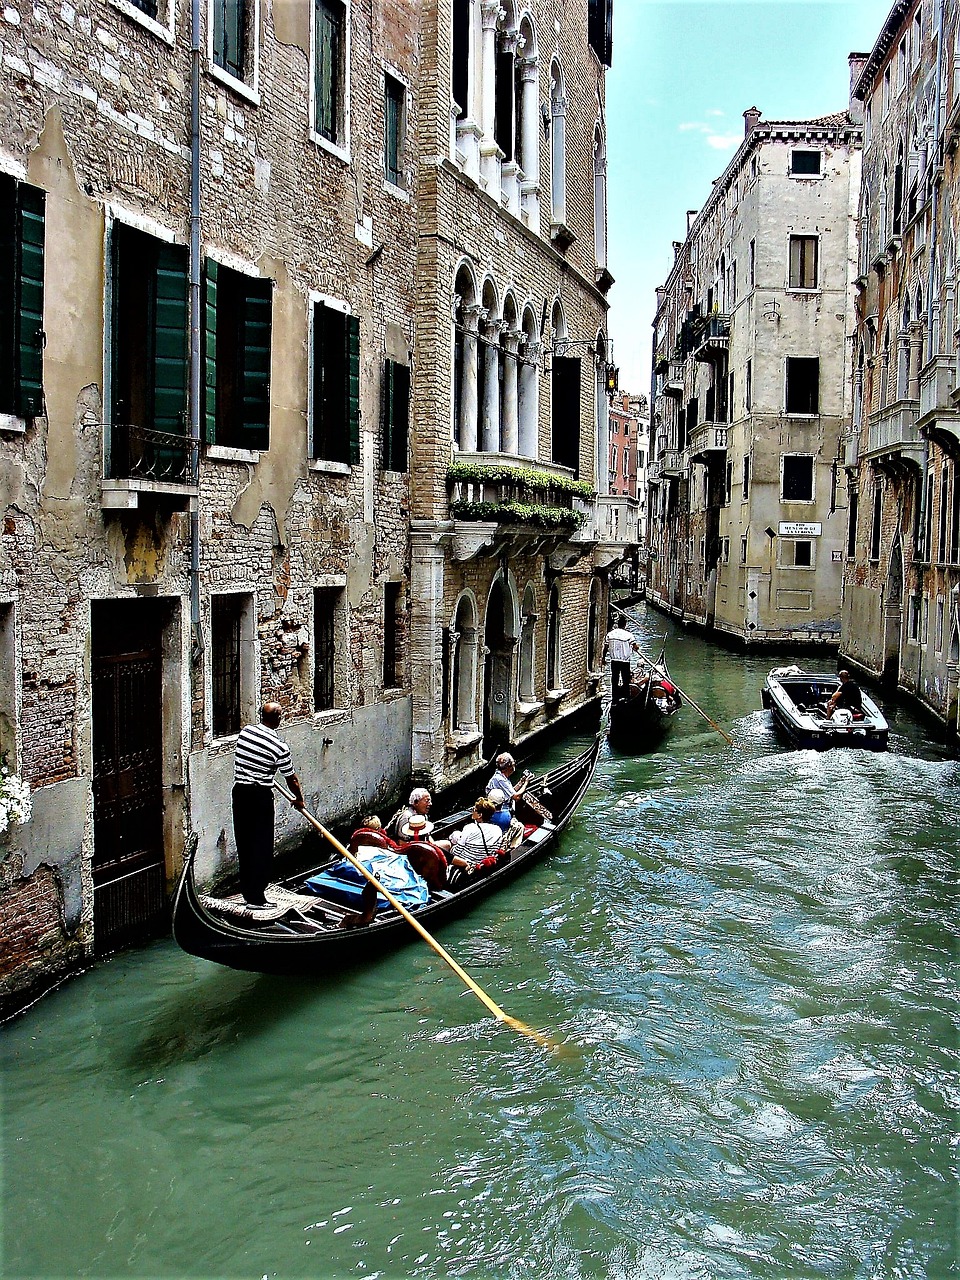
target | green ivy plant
x=536, y=517
x=522, y=477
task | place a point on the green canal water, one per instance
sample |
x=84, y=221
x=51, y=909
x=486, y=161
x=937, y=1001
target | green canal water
x=748, y=953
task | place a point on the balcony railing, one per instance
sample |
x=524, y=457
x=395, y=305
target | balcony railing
x=711, y=337
x=937, y=382
x=894, y=430
x=618, y=519
x=148, y=464
x=706, y=438
x=671, y=462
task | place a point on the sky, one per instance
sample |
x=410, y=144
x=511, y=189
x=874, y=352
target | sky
x=683, y=74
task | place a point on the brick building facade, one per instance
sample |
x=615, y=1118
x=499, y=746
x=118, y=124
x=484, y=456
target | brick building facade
x=902, y=570
x=244, y=243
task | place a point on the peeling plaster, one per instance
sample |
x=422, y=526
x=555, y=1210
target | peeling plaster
x=73, y=359
x=291, y=23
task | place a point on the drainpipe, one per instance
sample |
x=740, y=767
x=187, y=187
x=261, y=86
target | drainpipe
x=195, y=349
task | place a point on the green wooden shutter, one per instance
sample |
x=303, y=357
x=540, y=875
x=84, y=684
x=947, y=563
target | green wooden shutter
x=326, y=68
x=8, y=293
x=170, y=340
x=352, y=398
x=30, y=335
x=210, y=351
x=255, y=430
x=396, y=400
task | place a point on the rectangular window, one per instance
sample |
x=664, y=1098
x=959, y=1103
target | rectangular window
x=565, y=413
x=752, y=263
x=149, y=359
x=728, y=484
x=955, y=521
x=329, y=72
x=917, y=41
x=803, y=384
x=8, y=688
x=237, y=352
x=797, y=484
x=806, y=163
x=395, y=415
x=392, y=624
x=803, y=262
x=876, y=527
x=938, y=642
x=230, y=28
x=928, y=523
x=913, y=619
x=600, y=29
x=226, y=614
x=336, y=385
x=326, y=601
x=748, y=387
x=853, y=501
x=796, y=553
x=394, y=98
x=743, y=549
x=22, y=239
x=924, y=620
x=746, y=477
x=943, y=551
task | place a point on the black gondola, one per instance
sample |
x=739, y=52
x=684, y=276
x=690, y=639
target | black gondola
x=306, y=933
x=641, y=721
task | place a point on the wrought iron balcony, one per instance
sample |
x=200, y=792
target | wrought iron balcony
x=145, y=462
x=711, y=337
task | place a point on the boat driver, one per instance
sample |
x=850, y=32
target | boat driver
x=847, y=695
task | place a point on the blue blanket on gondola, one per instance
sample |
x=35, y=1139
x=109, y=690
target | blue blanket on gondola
x=343, y=882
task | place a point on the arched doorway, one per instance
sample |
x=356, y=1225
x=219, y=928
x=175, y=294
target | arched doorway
x=498, y=677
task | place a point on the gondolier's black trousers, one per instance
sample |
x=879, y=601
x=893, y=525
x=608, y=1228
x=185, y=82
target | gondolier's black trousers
x=253, y=833
x=619, y=679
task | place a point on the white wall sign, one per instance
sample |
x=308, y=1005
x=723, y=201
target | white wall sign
x=800, y=529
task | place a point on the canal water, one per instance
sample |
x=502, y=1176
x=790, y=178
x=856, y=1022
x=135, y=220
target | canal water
x=748, y=953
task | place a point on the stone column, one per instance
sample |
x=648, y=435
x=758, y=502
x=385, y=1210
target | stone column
x=903, y=366
x=469, y=380
x=489, y=151
x=558, y=161
x=511, y=400
x=916, y=356
x=490, y=414
x=529, y=401
x=530, y=142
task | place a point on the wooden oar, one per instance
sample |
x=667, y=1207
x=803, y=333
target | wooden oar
x=686, y=698
x=461, y=973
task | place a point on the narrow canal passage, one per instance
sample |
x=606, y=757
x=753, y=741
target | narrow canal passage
x=752, y=950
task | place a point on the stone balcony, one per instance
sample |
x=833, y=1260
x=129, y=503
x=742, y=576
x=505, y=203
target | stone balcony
x=940, y=404
x=707, y=438
x=892, y=434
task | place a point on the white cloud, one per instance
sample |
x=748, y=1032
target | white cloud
x=724, y=141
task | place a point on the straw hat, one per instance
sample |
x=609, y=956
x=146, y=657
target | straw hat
x=416, y=828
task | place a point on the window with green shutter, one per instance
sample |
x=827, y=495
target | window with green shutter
x=335, y=433
x=230, y=36
x=395, y=415
x=21, y=298
x=238, y=329
x=328, y=68
x=149, y=357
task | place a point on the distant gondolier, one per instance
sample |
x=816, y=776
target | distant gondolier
x=260, y=755
x=620, y=645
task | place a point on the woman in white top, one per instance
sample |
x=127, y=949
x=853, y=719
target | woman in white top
x=479, y=839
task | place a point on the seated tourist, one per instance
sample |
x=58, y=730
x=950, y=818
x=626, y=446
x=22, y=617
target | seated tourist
x=371, y=833
x=426, y=855
x=479, y=844
x=418, y=806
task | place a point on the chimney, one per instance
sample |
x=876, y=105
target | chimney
x=751, y=118
x=856, y=61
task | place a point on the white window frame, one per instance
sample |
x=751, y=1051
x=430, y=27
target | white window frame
x=165, y=31
x=342, y=149
x=401, y=193
x=250, y=90
x=784, y=563
x=798, y=288
x=806, y=177
x=813, y=478
x=324, y=466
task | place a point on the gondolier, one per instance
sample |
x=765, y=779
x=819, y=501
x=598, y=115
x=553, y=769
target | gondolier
x=259, y=756
x=620, y=645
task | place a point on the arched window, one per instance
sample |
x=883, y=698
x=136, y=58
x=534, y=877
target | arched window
x=593, y=625
x=463, y=680
x=903, y=354
x=898, y=192
x=527, y=683
x=558, y=149
x=529, y=387
x=491, y=370
x=600, y=198
x=554, y=675
x=527, y=93
x=466, y=357
x=565, y=398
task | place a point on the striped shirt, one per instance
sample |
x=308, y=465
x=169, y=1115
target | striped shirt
x=260, y=754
